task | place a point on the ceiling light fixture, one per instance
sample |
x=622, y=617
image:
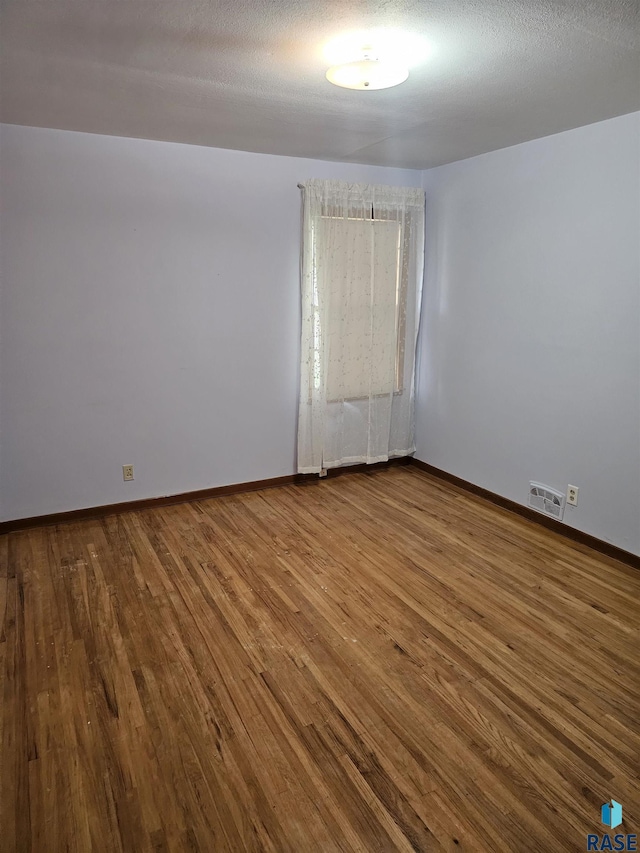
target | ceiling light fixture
x=374, y=59
x=370, y=72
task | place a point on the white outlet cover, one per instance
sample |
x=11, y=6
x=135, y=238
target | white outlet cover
x=572, y=495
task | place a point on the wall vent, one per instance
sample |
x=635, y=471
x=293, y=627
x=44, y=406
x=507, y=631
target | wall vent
x=546, y=500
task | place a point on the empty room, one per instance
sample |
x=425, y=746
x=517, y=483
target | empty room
x=319, y=426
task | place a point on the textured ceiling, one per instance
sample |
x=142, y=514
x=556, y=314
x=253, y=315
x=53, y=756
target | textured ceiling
x=250, y=75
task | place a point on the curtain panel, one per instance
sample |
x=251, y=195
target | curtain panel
x=361, y=282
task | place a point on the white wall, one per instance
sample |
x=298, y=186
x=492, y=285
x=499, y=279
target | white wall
x=530, y=344
x=149, y=314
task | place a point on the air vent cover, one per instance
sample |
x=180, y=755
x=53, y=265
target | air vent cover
x=546, y=500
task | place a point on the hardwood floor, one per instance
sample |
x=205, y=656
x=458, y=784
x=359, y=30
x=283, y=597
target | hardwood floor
x=376, y=662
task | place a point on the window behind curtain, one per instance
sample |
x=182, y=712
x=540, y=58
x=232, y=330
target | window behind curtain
x=367, y=255
x=362, y=260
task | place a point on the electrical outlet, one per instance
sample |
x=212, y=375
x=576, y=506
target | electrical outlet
x=572, y=495
x=127, y=472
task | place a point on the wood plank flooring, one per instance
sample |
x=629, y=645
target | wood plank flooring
x=375, y=662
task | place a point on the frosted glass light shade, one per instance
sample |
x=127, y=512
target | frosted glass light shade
x=368, y=74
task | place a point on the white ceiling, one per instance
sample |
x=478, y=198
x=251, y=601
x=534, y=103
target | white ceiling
x=250, y=75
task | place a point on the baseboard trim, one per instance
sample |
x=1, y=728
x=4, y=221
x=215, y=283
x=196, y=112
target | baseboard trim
x=201, y=495
x=564, y=530
x=298, y=479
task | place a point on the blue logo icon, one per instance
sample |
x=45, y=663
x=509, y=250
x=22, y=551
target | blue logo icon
x=611, y=814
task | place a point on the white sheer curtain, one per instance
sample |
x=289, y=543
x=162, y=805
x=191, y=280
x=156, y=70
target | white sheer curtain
x=362, y=264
